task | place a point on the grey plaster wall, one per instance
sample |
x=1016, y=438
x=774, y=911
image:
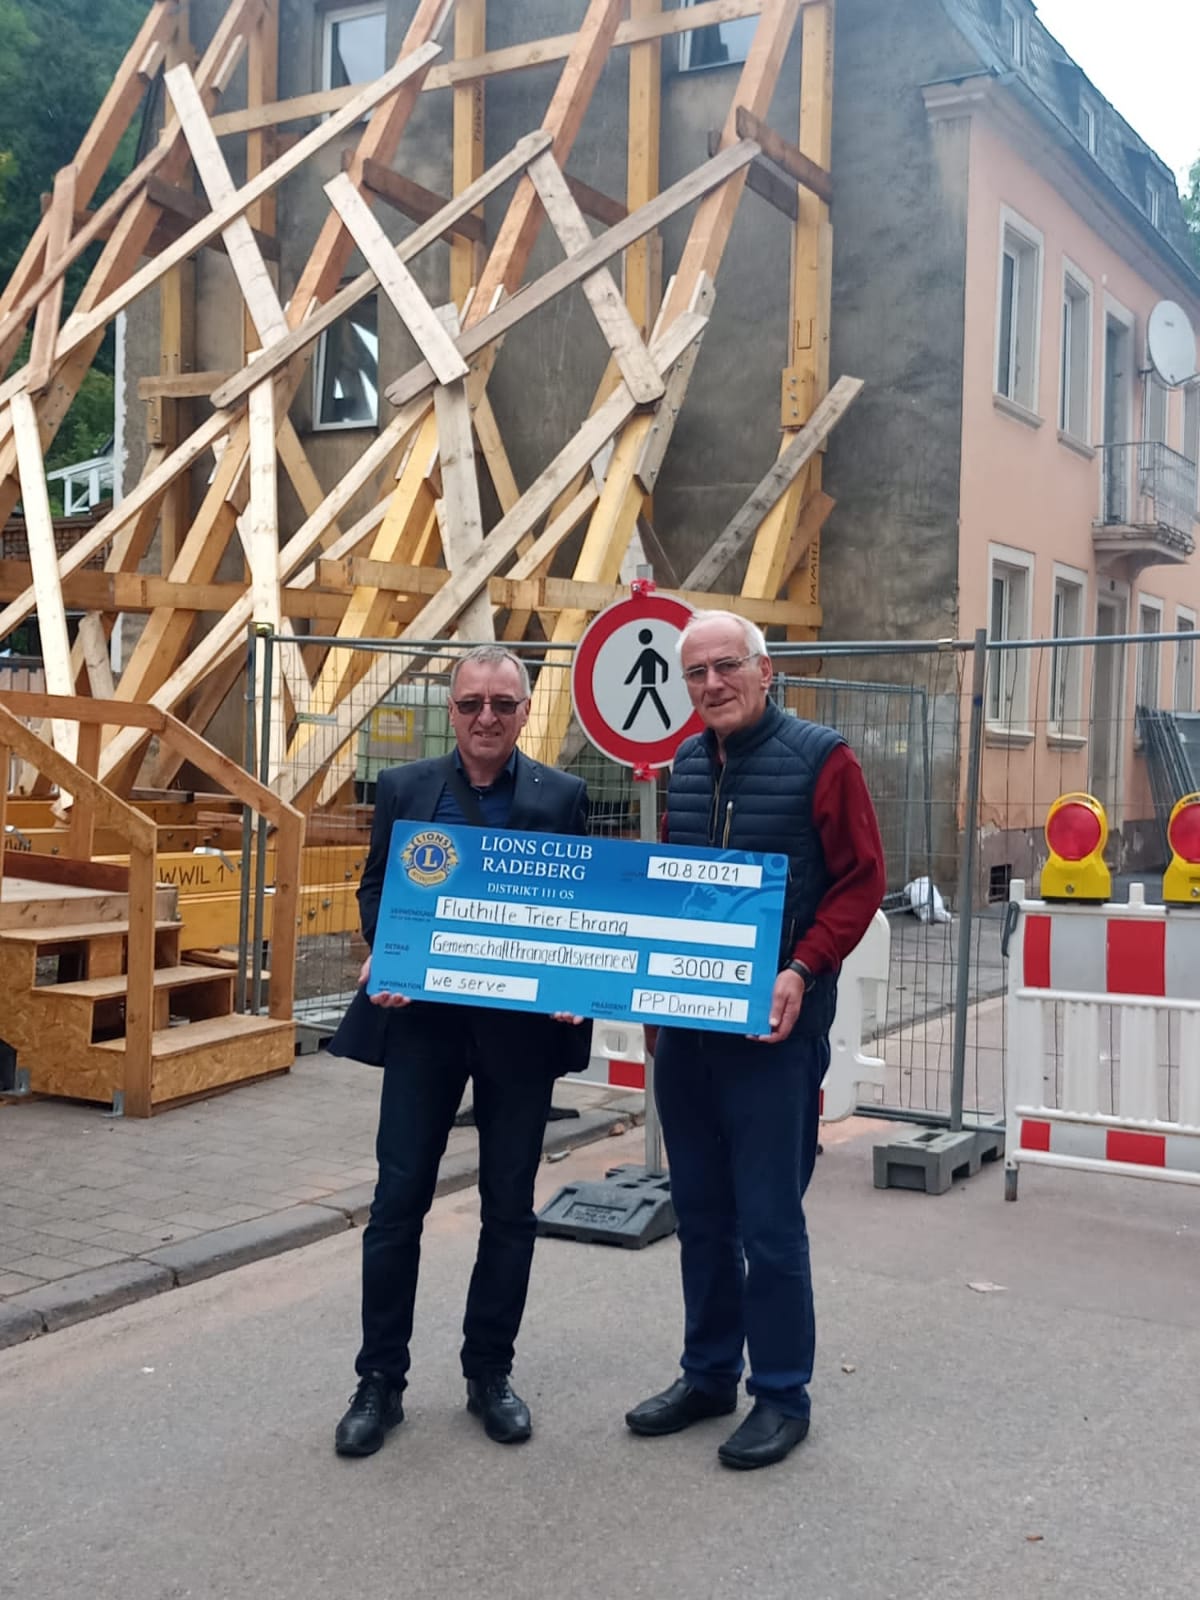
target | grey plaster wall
x=890, y=551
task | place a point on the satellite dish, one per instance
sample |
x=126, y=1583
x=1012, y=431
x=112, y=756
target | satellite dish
x=1171, y=343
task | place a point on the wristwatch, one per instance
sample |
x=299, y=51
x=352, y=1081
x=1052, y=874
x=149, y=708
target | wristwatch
x=804, y=972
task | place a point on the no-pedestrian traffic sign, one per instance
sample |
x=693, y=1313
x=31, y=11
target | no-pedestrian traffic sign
x=626, y=682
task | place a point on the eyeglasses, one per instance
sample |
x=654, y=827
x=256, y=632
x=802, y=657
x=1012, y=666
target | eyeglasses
x=725, y=668
x=503, y=705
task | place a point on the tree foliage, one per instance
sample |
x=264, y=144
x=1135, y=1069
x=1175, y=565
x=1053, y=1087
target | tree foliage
x=1191, y=206
x=57, y=59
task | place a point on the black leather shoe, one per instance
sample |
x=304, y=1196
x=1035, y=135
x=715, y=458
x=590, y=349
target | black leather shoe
x=678, y=1407
x=375, y=1407
x=765, y=1437
x=504, y=1415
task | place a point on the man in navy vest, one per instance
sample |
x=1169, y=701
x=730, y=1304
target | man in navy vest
x=429, y=1051
x=740, y=1115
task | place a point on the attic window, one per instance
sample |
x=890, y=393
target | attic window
x=1012, y=34
x=1087, y=124
x=1153, y=202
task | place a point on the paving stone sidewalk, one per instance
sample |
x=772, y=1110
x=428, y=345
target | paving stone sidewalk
x=97, y=1211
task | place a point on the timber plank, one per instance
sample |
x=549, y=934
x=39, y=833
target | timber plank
x=496, y=63
x=276, y=356
x=611, y=313
x=396, y=281
x=695, y=186
x=741, y=527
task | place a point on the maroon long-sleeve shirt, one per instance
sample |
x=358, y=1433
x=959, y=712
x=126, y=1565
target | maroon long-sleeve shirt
x=849, y=833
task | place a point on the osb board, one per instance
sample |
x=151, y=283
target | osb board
x=213, y=1066
x=58, y=1058
x=22, y=905
x=37, y=905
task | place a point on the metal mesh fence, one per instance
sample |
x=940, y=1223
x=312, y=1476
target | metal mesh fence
x=901, y=711
x=410, y=723
x=1052, y=717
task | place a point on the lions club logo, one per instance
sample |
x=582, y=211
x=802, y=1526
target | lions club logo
x=429, y=858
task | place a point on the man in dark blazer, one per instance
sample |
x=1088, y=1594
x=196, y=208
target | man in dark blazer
x=429, y=1050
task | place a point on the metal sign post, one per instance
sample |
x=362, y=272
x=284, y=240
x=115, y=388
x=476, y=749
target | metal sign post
x=633, y=705
x=648, y=809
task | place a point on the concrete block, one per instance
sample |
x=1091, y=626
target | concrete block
x=932, y=1158
x=206, y=1254
x=310, y=1039
x=92, y=1293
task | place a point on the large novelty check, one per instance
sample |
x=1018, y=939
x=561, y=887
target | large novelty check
x=604, y=928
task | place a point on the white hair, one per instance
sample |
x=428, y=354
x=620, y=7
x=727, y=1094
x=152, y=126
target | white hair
x=756, y=644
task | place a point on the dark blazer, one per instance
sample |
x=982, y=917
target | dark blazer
x=544, y=801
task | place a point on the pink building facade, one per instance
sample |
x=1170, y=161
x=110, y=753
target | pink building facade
x=1078, y=480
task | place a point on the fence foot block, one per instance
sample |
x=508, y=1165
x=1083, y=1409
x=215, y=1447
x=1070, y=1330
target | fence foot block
x=310, y=1039
x=930, y=1160
x=630, y=1207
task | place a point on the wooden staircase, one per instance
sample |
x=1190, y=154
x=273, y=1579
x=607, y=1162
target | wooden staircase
x=94, y=998
x=64, y=985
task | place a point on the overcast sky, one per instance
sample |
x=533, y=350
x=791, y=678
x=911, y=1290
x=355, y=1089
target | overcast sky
x=1145, y=58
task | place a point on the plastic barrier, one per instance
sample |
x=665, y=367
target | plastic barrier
x=619, y=1052
x=618, y=1056
x=864, y=976
x=1123, y=976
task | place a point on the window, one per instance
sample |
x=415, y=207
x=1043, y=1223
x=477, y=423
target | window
x=1185, y=662
x=347, y=370
x=1017, y=323
x=1074, y=402
x=1191, y=423
x=1153, y=202
x=1087, y=124
x=1012, y=35
x=354, y=46
x=1149, y=621
x=1191, y=436
x=1065, y=673
x=1010, y=595
x=1155, y=415
x=716, y=46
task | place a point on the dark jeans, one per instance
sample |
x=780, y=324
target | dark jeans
x=740, y=1124
x=421, y=1094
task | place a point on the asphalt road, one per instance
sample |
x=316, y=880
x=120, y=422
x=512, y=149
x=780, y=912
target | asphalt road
x=1036, y=1439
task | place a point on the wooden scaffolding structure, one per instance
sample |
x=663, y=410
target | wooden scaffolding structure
x=420, y=565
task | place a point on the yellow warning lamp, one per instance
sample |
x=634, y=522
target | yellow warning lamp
x=1076, y=833
x=1181, y=880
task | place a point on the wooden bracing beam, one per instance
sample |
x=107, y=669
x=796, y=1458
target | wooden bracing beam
x=497, y=63
x=135, y=224
x=420, y=476
x=807, y=377
x=165, y=636
x=440, y=612
x=615, y=517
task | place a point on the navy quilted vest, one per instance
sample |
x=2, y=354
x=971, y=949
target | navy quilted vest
x=761, y=799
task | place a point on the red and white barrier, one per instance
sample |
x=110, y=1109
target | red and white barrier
x=618, y=1056
x=619, y=1051
x=1126, y=976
